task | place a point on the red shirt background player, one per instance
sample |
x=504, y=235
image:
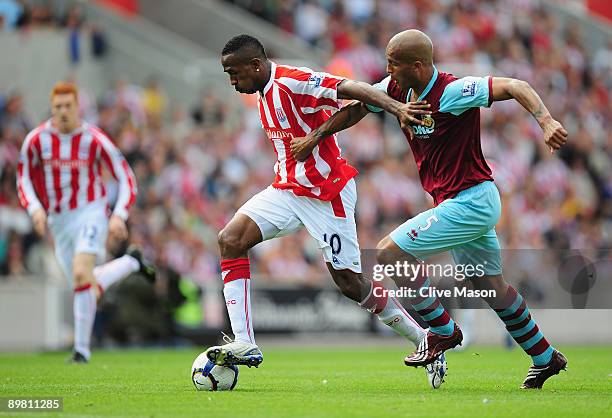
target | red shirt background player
x=60, y=184
x=62, y=172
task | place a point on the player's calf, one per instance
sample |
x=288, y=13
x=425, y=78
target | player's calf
x=516, y=316
x=351, y=284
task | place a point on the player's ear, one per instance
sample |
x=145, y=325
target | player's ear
x=256, y=64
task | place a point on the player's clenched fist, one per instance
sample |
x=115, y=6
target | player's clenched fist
x=39, y=220
x=117, y=229
x=555, y=135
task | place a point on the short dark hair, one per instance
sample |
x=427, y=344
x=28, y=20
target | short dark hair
x=244, y=41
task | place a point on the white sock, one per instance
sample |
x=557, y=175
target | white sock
x=395, y=316
x=238, y=301
x=84, y=315
x=115, y=270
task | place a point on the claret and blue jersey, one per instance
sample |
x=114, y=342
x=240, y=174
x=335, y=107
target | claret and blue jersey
x=447, y=147
x=453, y=171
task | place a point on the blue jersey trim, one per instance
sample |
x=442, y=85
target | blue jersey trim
x=434, y=77
x=382, y=85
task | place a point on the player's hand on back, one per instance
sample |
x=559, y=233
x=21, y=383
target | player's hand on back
x=117, y=229
x=410, y=114
x=301, y=147
x=39, y=220
x=555, y=135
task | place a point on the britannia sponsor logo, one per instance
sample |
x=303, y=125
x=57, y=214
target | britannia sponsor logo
x=276, y=133
x=59, y=163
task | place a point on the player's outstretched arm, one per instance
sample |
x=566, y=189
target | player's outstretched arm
x=407, y=113
x=349, y=115
x=555, y=134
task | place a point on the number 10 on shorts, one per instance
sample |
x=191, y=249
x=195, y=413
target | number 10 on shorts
x=334, y=243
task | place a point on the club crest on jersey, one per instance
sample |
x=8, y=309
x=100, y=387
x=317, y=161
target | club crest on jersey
x=427, y=128
x=280, y=114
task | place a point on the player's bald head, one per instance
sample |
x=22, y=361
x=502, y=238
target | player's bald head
x=410, y=46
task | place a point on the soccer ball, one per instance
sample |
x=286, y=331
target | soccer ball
x=206, y=375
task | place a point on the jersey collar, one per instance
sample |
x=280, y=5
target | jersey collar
x=433, y=79
x=49, y=126
x=271, y=80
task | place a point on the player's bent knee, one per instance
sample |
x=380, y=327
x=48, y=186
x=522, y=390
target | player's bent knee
x=81, y=276
x=387, y=251
x=231, y=242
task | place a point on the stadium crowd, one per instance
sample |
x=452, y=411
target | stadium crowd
x=196, y=165
x=23, y=15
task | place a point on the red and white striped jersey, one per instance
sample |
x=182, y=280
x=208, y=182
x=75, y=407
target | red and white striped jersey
x=293, y=103
x=61, y=172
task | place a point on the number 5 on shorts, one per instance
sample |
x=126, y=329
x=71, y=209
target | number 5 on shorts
x=432, y=218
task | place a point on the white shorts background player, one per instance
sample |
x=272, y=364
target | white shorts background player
x=59, y=183
x=318, y=194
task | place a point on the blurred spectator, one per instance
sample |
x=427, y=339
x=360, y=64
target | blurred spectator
x=310, y=22
x=210, y=111
x=10, y=13
x=13, y=117
x=154, y=101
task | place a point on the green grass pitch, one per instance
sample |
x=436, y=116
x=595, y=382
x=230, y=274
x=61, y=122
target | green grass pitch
x=315, y=382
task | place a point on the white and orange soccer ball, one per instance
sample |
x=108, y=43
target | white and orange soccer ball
x=206, y=375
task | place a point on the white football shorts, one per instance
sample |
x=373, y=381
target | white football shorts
x=280, y=212
x=83, y=230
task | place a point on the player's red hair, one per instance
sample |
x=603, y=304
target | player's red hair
x=64, y=87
